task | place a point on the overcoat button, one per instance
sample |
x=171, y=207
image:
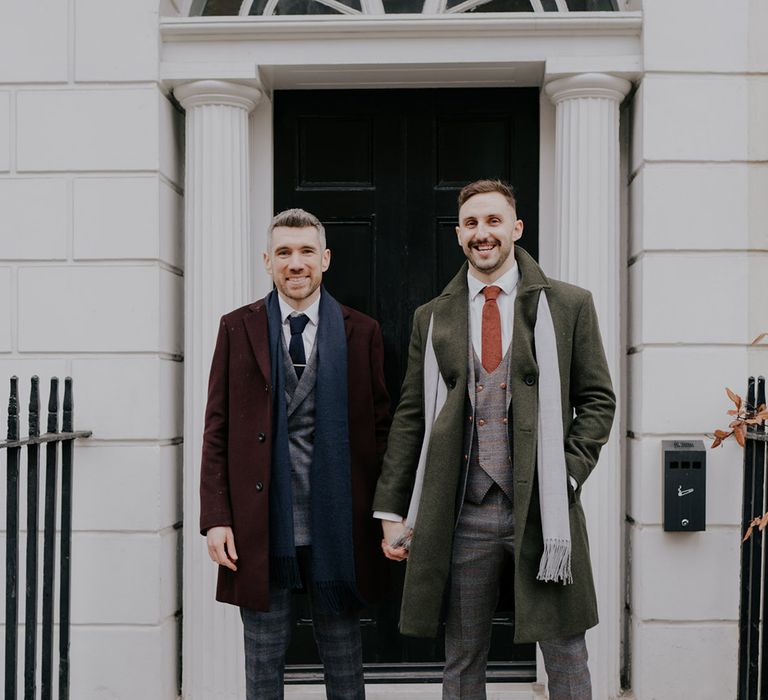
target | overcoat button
x=530, y=380
x=259, y=486
x=505, y=420
x=262, y=437
x=503, y=385
x=479, y=387
x=481, y=422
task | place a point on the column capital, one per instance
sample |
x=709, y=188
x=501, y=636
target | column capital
x=217, y=92
x=602, y=85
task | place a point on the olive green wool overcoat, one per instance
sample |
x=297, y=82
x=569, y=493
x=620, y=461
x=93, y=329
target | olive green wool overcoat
x=542, y=610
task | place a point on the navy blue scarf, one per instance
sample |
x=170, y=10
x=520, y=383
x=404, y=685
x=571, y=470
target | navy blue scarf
x=332, y=560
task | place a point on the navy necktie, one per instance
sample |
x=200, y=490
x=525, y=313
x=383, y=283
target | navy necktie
x=296, y=346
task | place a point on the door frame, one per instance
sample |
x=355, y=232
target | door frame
x=397, y=52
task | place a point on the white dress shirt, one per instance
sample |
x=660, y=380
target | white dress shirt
x=505, y=301
x=312, y=312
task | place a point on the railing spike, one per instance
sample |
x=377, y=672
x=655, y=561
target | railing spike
x=34, y=407
x=13, y=409
x=67, y=421
x=53, y=406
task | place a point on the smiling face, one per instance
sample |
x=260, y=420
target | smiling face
x=296, y=263
x=488, y=227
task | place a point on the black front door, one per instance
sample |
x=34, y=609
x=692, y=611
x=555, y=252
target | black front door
x=381, y=169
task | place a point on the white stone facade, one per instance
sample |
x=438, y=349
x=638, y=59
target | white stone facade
x=91, y=260
x=92, y=284
x=698, y=257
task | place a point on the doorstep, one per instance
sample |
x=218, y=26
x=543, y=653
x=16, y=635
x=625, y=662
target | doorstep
x=419, y=691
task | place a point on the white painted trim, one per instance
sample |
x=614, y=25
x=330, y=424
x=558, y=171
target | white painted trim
x=466, y=6
x=341, y=7
x=372, y=7
x=228, y=29
x=434, y=7
x=196, y=7
x=218, y=92
x=587, y=85
x=269, y=9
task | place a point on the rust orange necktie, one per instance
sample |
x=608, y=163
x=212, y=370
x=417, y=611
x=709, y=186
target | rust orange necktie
x=491, y=329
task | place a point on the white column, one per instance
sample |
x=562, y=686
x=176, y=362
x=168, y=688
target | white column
x=587, y=244
x=218, y=279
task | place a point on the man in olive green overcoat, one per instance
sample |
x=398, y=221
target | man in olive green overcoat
x=486, y=458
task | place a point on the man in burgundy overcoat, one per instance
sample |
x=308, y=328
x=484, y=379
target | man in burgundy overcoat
x=295, y=430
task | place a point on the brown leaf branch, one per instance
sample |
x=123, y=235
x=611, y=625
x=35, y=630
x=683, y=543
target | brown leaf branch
x=759, y=523
x=744, y=415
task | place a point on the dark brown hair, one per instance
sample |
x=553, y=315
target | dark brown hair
x=483, y=186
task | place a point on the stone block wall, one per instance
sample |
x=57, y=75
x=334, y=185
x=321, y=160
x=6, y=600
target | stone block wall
x=91, y=285
x=698, y=240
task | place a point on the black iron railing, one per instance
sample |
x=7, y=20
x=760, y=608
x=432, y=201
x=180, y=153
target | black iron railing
x=753, y=650
x=51, y=439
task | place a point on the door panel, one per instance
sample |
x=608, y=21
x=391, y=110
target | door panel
x=381, y=169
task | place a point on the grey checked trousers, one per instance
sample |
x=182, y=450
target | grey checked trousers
x=485, y=536
x=267, y=635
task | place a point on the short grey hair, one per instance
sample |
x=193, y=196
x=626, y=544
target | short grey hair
x=296, y=218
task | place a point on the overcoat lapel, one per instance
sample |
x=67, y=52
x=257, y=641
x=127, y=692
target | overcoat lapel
x=256, y=328
x=347, y=325
x=451, y=329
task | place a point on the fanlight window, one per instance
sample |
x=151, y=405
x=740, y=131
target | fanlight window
x=267, y=8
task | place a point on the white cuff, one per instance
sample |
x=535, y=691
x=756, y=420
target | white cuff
x=393, y=517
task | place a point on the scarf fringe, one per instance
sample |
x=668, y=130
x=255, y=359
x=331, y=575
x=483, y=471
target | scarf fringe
x=556, y=562
x=285, y=572
x=336, y=596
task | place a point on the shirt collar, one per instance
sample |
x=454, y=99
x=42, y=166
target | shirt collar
x=312, y=312
x=507, y=282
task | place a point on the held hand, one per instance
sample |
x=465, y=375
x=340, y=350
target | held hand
x=394, y=531
x=221, y=546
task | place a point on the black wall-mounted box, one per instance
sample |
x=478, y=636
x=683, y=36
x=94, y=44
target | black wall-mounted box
x=685, y=485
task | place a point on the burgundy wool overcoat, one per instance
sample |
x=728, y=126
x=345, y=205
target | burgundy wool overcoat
x=237, y=449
